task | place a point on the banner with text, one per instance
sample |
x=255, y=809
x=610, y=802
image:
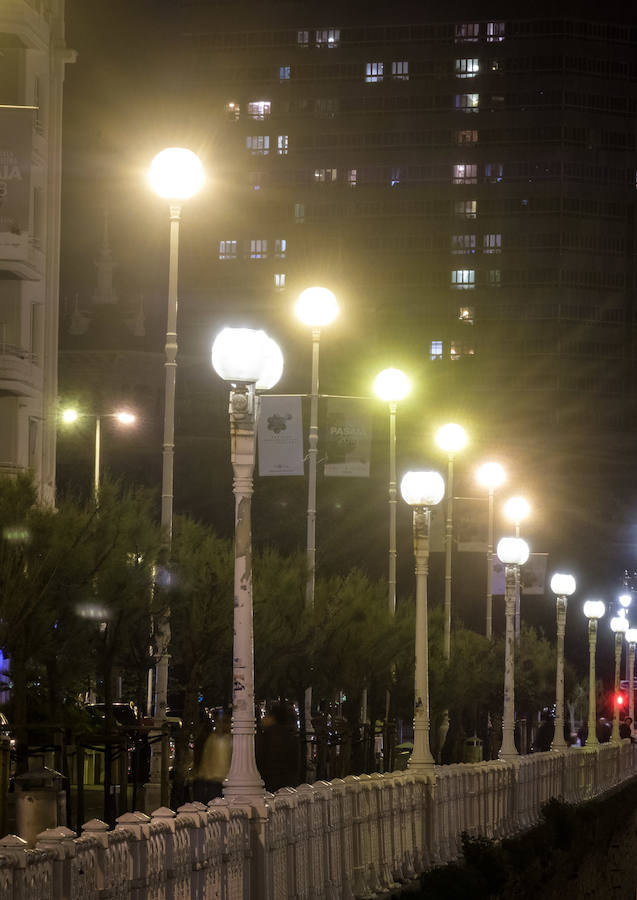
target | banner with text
x=280, y=436
x=348, y=434
x=16, y=134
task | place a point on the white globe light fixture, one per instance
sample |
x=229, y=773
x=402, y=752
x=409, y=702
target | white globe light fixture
x=422, y=488
x=391, y=385
x=619, y=625
x=594, y=609
x=625, y=600
x=491, y=475
x=562, y=585
x=517, y=509
x=176, y=174
x=247, y=356
x=512, y=551
x=451, y=438
x=316, y=306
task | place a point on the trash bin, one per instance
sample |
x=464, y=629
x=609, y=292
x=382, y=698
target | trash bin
x=40, y=801
x=472, y=750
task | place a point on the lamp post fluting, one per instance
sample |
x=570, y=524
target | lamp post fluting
x=619, y=626
x=593, y=610
x=421, y=490
x=513, y=552
x=451, y=438
x=516, y=509
x=490, y=475
x=631, y=639
x=562, y=586
x=248, y=360
x=175, y=174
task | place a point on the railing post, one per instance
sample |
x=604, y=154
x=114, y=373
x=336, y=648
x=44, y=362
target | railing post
x=58, y=842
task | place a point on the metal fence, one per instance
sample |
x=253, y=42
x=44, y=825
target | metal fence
x=348, y=838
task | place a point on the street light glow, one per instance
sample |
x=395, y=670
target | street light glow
x=391, y=385
x=594, y=609
x=625, y=600
x=619, y=624
x=512, y=551
x=422, y=488
x=69, y=416
x=563, y=585
x=124, y=418
x=491, y=475
x=631, y=635
x=516, y=509
x=176, y=173
x=451, y=438
x=316, y=306
x=247, y=356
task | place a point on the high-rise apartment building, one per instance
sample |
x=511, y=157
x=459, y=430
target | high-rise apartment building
x=32, y=60
x=465, y=180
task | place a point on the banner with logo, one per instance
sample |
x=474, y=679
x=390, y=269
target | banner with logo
x=532, y=575
x=280, y=436
x=348, y=437
x=16, y=133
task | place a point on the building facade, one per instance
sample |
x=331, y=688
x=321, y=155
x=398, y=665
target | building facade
x=32, y=60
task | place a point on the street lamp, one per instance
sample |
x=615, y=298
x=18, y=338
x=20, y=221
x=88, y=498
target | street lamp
x=490, y=475
x=513, y=552
x=69, y=416
x=619, y=626
x=451, y=438
x=593, y=610
x=516, y=510
x=562, y=586
x=631, y=638
x=392, y=385
x=421, y=490
x=175, y=174
x=249, y=360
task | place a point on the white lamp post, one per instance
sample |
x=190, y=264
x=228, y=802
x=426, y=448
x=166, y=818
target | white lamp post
x=248, y=360
x=516, y=510
x=175, y=174
x=451, y=438
x=593, y=610
x=619, y=626
x=625, y=599
x=631, y=638
x=392, y=385
x=421, y=490
x=513, y=552
x=123, y=417
x=490, y=475
x=562, y=586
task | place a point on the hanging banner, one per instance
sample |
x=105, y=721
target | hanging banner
x=280, y=436
x=532, y=575
x=348, y=432
x=16, y=134
x=471, y=524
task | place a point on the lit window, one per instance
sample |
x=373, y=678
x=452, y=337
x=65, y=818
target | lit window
x=258, y=249
x=280, y=247
x=284, y=73
x=466, y=314
x=492, y=243
x=460, y=348
x=463, y=279
x=279, y=281
x=400, y=70
x=374, y=72
x=232, y=111
x=259, y=109
x=468, y=209
x=303, y=38
x=395, y=177
x=227, y=249
x=464, y=173
x=467, y=137
x=495, y=31
x=328, y=37
x=299, y=213
x=467, y=31
x=494, y=277
x=467, y=68
x=468, y=102
x=351, y=177
x=258, y=144
x=493, y=172
x=436, y=349
x=282, y=144
x=325, y=176
x=463, y=243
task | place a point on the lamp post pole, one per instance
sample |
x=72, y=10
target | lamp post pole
x=562, y=586
x=631, y=638
x=513, y=552
x=491, y=475
x=619, y=625
x=593, y=610
x=448, y=548
x=421, y=490
x=96, y=471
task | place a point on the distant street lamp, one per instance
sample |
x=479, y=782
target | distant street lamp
x=123, y=417
x=451, y=438
x=619, y=626
x=625, y=599
x=593, y=610
x=631, y=639
x=513, y=552
x=562, y=586
x=490, y=475
x=421, y=490
x=392, y=385
x=175, y=174
x=516, y=510
x=249, y=360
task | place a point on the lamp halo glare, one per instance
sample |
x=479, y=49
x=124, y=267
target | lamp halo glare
x=516, y=509
x=451, y=437
x=316, y=306
x=619, y=624
x=491, y=475
x=391, y=385
x=422, y=488
x=176, y=174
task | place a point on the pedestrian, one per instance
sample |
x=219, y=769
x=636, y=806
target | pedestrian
x=214, y=761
